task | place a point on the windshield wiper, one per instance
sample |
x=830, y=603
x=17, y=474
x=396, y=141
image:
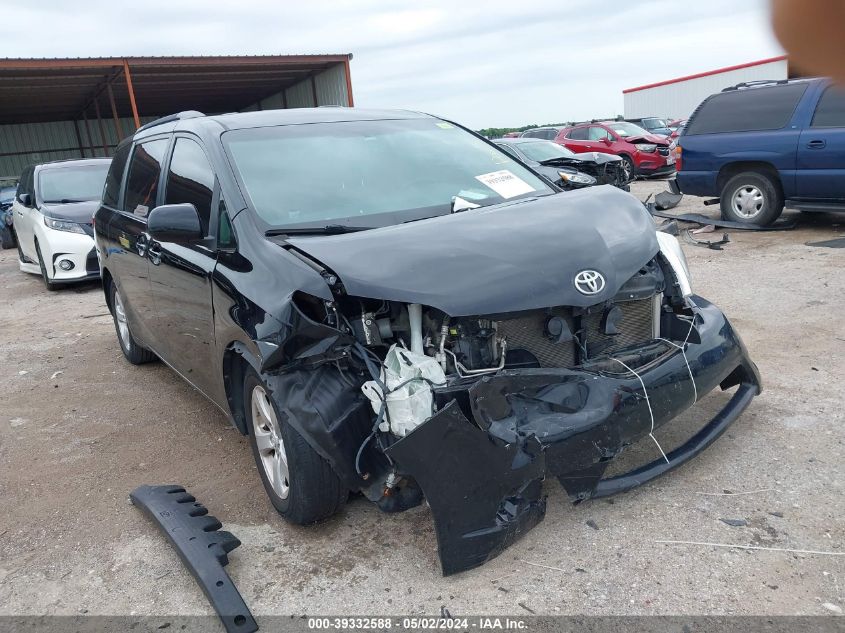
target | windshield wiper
x=329, y=229
x=64, y=201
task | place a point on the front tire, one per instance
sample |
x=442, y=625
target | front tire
x=47, y=283
x=301, y=485
x=751, y=198
x=133, y=352
x=629, y=170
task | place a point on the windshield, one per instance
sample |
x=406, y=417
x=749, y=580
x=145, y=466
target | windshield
x=653, y=124
x=7, y=194
x=73, y=184
x=354, y=171
x=624, y=129
x=543, y=150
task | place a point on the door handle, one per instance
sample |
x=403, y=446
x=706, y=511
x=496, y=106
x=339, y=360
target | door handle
x=154, y=252
x=817, y=144
x=141, y=244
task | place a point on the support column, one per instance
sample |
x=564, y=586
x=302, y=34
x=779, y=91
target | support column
x=78, y=138
x=349, y=99
x=131, y=90
x=314, y=91
x=102, y=127
x=118, y=134
x=88, y=133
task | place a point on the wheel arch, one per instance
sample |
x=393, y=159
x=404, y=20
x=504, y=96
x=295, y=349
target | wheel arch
x=237, y=360
x=107, y=281
x=762, y=167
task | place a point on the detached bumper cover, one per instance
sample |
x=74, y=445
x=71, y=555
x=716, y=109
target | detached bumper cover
x=483, y=477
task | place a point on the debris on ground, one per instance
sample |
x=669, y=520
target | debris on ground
x=735, y=522
x=788, y=550
x=712, y=245
x=730, y=493
x=839, y=242
x=697, y=218
x=592, y=524
x=667, y=200
x=540, y=565
x=832, y=608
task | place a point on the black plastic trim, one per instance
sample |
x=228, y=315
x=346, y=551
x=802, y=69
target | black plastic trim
x=202, y=546
x=691, y=448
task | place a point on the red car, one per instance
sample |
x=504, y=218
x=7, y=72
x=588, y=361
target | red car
x=676, y=126
x=644, y=154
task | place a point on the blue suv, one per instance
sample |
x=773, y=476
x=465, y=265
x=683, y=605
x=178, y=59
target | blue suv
x=761, y=146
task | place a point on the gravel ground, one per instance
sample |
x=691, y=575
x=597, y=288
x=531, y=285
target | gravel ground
x=80, y=428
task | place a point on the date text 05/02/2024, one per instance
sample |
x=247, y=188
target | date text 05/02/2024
x=421, y=623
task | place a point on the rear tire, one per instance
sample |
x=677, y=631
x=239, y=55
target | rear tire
x=301, y=484
x=751, y=198
x=7, y=238
x=133, y=352
x=47, y=283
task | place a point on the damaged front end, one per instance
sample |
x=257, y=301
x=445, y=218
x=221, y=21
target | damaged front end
x=471, y=411
x=607, y=169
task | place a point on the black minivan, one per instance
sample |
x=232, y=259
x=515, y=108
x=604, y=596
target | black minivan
x=387, y=303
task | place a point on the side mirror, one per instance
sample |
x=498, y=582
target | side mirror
x=25, y=199
x=178, y=223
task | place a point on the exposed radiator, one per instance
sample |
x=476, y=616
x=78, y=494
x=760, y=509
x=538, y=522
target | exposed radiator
x=637, y=326
x=528, y=332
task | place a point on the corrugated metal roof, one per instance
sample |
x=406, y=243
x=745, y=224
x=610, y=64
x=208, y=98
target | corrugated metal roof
x=51, y=89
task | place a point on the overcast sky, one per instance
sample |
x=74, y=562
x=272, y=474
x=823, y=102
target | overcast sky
x=489, y=63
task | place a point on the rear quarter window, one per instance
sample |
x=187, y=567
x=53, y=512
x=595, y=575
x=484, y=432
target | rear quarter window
x=578, y=134
x=746, y=110
x=830, y=111
x=111, y=191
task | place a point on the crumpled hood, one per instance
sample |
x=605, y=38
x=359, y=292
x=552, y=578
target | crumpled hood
x=505, y=258
x=599, y=158
x=72, y=212
x=648, y=138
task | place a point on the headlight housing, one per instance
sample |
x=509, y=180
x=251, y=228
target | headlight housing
x=671, y=250
x=646, y=147
x=63, y=225
x=581, y=179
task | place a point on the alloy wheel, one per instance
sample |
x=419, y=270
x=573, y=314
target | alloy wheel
x=269, y=442
x=122, y=323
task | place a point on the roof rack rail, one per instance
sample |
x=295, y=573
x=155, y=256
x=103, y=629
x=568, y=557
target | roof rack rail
x=757, y=83
x=187, y=114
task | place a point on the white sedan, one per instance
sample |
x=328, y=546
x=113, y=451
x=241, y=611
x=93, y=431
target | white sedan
x=51, y=215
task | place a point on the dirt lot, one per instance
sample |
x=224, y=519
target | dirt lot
x=80, y=428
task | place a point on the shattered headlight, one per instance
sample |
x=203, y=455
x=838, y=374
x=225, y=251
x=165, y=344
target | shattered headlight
x=646, y=147
x=580, y=179
x=671, y=250
x=63, y=225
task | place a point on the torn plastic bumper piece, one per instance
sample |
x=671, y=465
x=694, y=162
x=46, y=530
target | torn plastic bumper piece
x=481, y=471
x=202, y=546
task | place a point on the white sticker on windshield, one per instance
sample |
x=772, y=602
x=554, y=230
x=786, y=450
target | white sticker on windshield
x=505, y=183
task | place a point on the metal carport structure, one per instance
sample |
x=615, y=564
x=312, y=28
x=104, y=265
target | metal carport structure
x=73, y=108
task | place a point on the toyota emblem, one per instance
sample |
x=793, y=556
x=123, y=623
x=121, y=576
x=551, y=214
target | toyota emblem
x=589, y=282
